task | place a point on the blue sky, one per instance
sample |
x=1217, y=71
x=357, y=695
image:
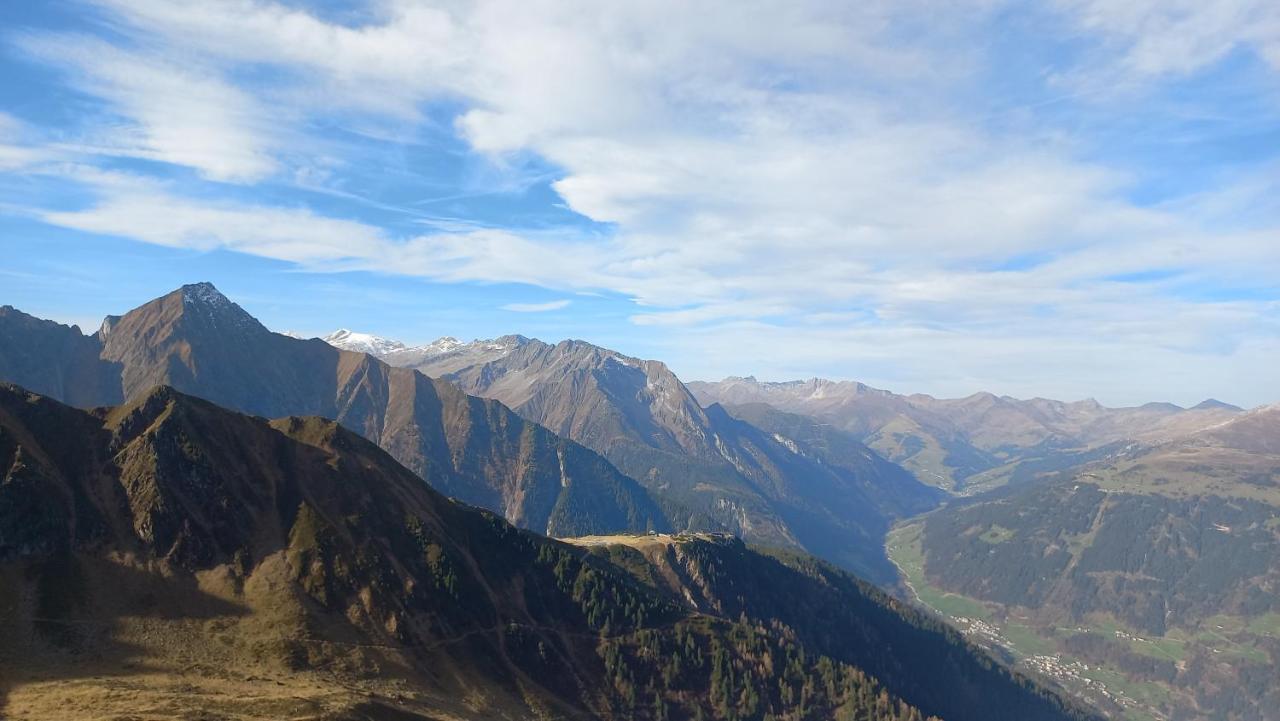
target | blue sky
x=1076, y=198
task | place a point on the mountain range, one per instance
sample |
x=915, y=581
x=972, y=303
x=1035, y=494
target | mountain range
x=170, y=558
x=199, y=342
x=786, y=483
x=1127, y=555
x=971, y=444
x=663, y=461
x=1154, y=521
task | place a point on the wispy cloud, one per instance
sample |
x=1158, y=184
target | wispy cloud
x=840, y=179
x=15, y=152
x=1147, y=39
x=173, y=111
x=537, y=307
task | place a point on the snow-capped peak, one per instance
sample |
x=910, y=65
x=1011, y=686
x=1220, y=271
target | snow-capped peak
x=204, y=294
x=362, y=342
x=447, y=344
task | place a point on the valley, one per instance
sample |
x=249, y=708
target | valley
x=1103, y=656
x=1026, y=647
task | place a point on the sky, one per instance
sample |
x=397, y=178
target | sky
x=1068, y=198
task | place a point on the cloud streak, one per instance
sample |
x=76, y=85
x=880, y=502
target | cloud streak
x=537, y=307
x=828, y=176
x=183, y=115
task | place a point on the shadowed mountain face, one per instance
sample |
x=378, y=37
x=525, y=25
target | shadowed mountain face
x=56, y=360
x=831, y=610
x=974, y=443
x=778, y=485
x=198, y=342
x=168, y=557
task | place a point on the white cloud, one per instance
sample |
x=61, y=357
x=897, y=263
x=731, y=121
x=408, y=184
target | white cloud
x=763, y=163
x=1153, y=38
x=176, y=111
x=150, y=214
x=537, y=307
x=15, y=152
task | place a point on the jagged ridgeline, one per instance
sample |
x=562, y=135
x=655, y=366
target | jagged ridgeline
x=598, y=442
x=171, y=558
x=199, y=342
x=770, y=478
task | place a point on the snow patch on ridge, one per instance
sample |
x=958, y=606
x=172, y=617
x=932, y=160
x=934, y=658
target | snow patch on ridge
x=788, y=443
x=623, y=360
x=362, y=342
x=204, y=294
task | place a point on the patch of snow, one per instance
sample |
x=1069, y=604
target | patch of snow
x=787, y=442
x=207, y=301
x=623, y=360
x=439, y=346
x=204, y=294
x=564, y=477
x=499, y=345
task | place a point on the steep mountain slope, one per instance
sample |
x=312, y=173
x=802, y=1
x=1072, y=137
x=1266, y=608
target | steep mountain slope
x=760, y=484
x=976, y=443
x=891, y=486
x=1159, y=563
x=201, y=343
x=168, y=558
x=55, y=359
x=828, y=609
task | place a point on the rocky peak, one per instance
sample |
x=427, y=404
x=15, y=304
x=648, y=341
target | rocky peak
x=108, y=324
x=204, y=294
x=444, y=344
x=206, y=304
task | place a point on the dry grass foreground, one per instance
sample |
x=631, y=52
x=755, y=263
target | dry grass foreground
x=205, y=651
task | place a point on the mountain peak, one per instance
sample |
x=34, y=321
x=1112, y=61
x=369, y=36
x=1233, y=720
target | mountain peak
x=1210, y=404
x=1161, y=407
x=345, y=339
x=204, y=293
x=198, y=300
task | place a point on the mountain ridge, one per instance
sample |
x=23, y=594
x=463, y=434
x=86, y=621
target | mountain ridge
x=973, y=443
x=221, y=563
x=200, y=342
x=640, y=416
